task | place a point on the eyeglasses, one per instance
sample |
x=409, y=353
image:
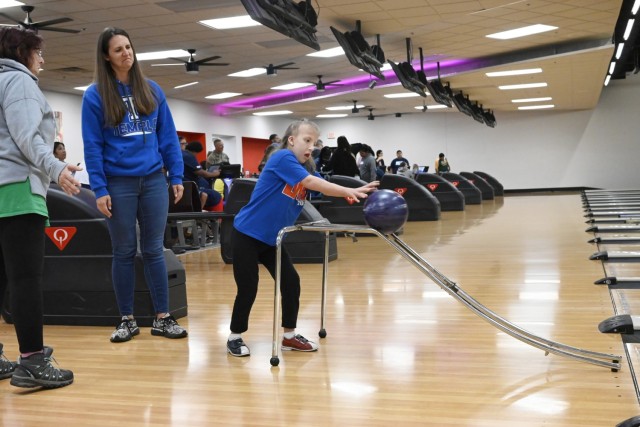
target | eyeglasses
x=39, y=52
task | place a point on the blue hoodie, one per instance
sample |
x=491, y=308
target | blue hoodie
x=139, y=146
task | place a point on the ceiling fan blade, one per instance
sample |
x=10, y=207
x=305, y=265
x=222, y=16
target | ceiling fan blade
x=215, y=64
x=165, y=65
x=286, y=64
x=10, y=18
x=51, y=22
x=59, y=30
x=211, y=58
x=178, y=59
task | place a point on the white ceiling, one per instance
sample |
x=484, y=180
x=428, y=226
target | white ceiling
x=574, y=58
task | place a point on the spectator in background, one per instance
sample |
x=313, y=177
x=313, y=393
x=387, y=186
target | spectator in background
x=275, y=140
x=59, y=151
x=193, y=172
x=381, y=168
x=342, y=161
x=442, y=164
x=217, y=156
x=368, y=165
x=398, y=161
x=317, y=147
x=267, y=152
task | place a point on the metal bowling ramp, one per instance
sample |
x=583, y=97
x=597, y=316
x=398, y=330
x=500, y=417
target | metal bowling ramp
x=601, y=359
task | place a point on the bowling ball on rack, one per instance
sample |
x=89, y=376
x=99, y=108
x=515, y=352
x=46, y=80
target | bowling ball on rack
x=385, y=211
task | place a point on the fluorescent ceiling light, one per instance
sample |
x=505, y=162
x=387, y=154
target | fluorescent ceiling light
x=343, y=107
x=401, y=95
x=521, y=32
x=329, y=116
x=627, y=30
x=273, y=113
x=223, y=95
x=249, y=73
x=522, y=86
x=82, y=88
x=536, y=107
x=163, y=54
x=10, y=3
x=430, y=107
x=514, y=72
x=385, y=67
x=231, y=22
x=612, y=67
x=619, y=49
x=185, y=85
x=544, y=98
x=329, y=53
x=291, y=86
x=635, y=7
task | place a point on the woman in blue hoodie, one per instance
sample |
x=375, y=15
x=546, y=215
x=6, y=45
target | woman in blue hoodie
x=129, y=136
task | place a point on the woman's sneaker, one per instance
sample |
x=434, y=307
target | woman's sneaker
x=7, y=367
x=168, y=327
x=237, y=348
x=37, y=371
x=298, y=343
x=126, y=329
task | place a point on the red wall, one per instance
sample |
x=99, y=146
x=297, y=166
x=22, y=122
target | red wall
x=252, y=152
x=201, y=138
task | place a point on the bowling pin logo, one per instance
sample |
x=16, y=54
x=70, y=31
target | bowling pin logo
x=60, y=236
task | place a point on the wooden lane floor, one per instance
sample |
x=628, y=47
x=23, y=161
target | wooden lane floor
x=399, y=350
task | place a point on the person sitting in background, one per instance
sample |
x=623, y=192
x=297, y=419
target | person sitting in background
x=267, y=152
x=442, y=164
x=217, y=156
x=193, y=172
x=381, y=168
x=59, y=151
x=368, y=165
x=342, y=161
x=398, y=161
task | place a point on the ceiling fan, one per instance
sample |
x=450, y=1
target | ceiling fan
x=272, y=70
x=191, y=65
x=321, y=86
x=371, y=116
x=356, y=108
x=28, y=23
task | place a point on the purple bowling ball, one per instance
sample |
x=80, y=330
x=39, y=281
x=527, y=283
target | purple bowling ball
x=385, y=211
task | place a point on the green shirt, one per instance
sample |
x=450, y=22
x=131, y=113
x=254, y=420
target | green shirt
x=17, y=199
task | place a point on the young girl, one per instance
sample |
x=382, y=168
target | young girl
x=276, y=203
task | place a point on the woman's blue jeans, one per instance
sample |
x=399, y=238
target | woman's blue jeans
x=145, y=201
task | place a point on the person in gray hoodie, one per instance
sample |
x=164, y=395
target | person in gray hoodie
x=27, y=166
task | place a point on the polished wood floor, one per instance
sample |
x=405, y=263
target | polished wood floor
x=399, y=350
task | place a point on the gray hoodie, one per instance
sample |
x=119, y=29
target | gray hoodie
x=27, y=130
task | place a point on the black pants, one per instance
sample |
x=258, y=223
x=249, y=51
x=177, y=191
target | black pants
x=21, y=266
x=247, y=253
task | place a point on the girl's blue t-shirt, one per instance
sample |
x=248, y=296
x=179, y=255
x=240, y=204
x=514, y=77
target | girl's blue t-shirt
x=277, y=199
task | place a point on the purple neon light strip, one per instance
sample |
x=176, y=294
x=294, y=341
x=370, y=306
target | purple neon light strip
x=355, y=83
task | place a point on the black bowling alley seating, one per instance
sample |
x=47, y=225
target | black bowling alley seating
x=498, y=189
x=485, y=188
x=302, y=246
x=472, y=195
x=77, y=268
x=423, y=206
x=450, y=198
x=339, y=210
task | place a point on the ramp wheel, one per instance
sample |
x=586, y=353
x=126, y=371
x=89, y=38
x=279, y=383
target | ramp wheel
x=322, y=333
x=621, y=324
x=611, y=280
x=275, y=361
x=631, y=422
x=602, y=255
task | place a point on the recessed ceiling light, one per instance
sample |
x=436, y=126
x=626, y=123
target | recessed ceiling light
x=544, y=98
x=522, y=86
x=223, y=95
x=536, y=107
x=521, y=32
x=163, y=54
x=10, y=3
x=291, y=86
x=273, y=113
x=231, y=22
x=513, y=72
x=185, y=85
x=328, y=53
x=329, y=116
x=249, y=73
x=82, y=88
x=401, y=95
x=343, y=107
